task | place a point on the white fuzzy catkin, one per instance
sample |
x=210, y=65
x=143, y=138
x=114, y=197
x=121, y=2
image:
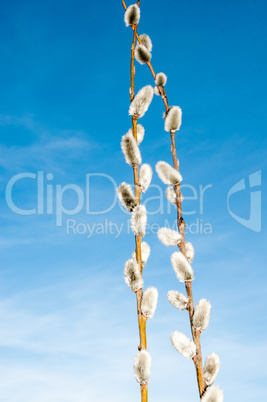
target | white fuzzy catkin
x=183, y=345
x=149, y=302
x=140, y=133
x=156, y=91
x=145, y=253
x=167, y=173
x=171, y=194
x=213, y=394
x=181, y=266
x=130, y=150
x=211, y=368
x=145, y=176
x=132, y=275
x=173, y=119
x=142, y=54
x=161, y=79
x=142, y=366
x=146, y=41
x=132, y=15
x=139, y=220
x=177, y=299
x=126, y=196
x=202, y=315
x=141, y=102
x=169, y=237
x=189, y=252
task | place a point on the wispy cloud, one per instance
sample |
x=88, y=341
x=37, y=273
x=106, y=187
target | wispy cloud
x=66, y=343
x=51, y=149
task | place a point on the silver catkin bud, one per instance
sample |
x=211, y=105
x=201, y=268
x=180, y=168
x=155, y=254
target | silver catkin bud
x=142, y=366
x=146, y=41
x=171, y=195
x=181, y=266
x=142, y=55
x=145, y=253
x=156, y=91
x=189, y=252
x=173, y=119
x=139, y=220
x=141, y=102
x=202, y=315
x=167, y=173
x=126, y=196
x=211, y=368
x=140, y=133
x=177, y=299
x=149, y=302
x=213, y=394
x=132, y=15
x=161, y=79
x=183, y=345
x=130, y=150
x=169, y=237
x=145, y=176
x=132, y=275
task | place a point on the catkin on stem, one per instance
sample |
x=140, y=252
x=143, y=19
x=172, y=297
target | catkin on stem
x=167, y=173
x=202, y=315
x=149, y=302
x=130, y=150
x=161, y=79
x=171, y=195
x=146, y=41
x=173, y=118
x=140, y=133
x=142, y=366
x=177, y=299
x=139, y=220
x=211, y=368
x=183, y=345
x=145, y=176
x=189, y=252
x=169, y=237
x=132, y=15
x=132, y=275
x=142, y=54
x=181, y=266
x=141, y=102
x=126, y=196
x=145, y=253
x=213, y=394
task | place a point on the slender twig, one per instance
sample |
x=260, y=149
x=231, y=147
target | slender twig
x=188, y=285
x=181, y=226
x=138, y=239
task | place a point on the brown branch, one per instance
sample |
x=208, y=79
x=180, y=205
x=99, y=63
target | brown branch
x=181, y=226
x=188, y=285
x=144, y=392
x=138, y=239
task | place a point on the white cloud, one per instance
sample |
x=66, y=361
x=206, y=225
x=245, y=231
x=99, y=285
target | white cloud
x=49, y=147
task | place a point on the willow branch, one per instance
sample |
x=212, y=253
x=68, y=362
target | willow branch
x=138, y=239
x=181, y=226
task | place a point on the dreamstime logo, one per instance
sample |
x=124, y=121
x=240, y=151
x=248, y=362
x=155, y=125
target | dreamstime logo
x=254, y=220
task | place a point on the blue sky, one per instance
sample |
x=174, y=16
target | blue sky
x=68, y=328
